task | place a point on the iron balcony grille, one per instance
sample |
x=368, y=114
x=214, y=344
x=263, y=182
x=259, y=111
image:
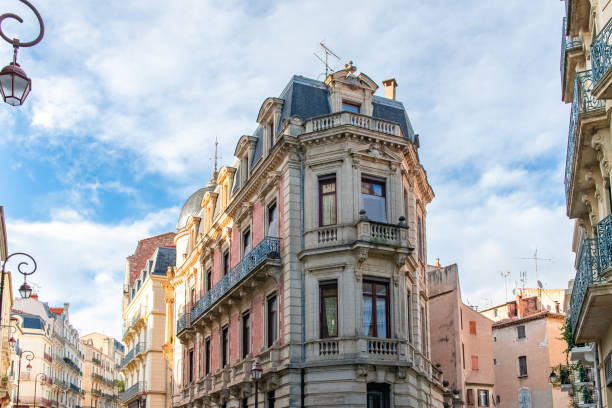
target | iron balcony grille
x=601, y=53
x=582, y=103
x=268, y=248
x=132, y=392
x=586, y=275
x=128, y=357
x=567, y=43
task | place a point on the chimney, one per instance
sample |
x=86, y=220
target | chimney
x=519, y=306
x=437, y=262
x=390, y=85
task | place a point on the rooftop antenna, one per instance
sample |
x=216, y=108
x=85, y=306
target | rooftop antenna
x=216, y=155
x=327, y=52
x=505, y=276
x=523, y=279
x=536, y=259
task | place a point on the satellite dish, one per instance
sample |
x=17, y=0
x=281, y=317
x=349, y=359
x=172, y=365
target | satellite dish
x=514, y=292
x=540, y=284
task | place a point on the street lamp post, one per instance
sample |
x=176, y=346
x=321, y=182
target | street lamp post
x=256, y=372
x=29, y=356
x=14, y=83
x=25, y=290
x=42, y=378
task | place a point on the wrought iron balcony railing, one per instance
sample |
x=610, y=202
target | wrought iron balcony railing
x=132, y=391
x=268, y=248
x=601, y=53
x=604, y=243
x=586, y=275
x=75, y=388
x=128, y=357
x=567, y=43
x=72, y=365
x=582, y=103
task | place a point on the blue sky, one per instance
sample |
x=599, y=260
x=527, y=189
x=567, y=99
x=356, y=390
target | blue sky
x=128, y=98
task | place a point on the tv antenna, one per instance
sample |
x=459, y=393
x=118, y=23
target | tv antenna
x=216, y=155
x=535, y=259
x=523, y=278
x=505, y=276
x=327, y=52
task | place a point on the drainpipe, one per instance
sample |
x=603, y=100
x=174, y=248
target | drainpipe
x=596, y=374
x=302, y=291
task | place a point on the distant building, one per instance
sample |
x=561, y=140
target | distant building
x=6, y=332
x=57, y=354
x=527, y=344
x=552, y=300
x=100, y=371
x=145, y=370
x=461, y=340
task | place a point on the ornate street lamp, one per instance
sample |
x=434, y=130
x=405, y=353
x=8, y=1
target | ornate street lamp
x=256, y=372
x=42, y=378
x=29, y=356
x=25, y=290
x=14, y=83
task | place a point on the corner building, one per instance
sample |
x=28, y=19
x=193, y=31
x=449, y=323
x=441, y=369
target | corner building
x=586, y=82
x=308, y=257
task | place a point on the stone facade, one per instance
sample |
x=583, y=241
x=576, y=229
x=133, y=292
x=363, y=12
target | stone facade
x=145, y=371
x=586, y=72
x=57, y=356
x=461, y=340
x=307, y=256
x=100, y=371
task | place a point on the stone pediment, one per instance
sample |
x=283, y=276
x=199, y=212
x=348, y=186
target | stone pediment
x=375, y=152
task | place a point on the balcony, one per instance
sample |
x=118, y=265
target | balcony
x=601, y=62
x=72, y=365
x=75, y=388
x=267, y=249
x=334, y=120
x=132, y=392
x=48, y=357
x=96, y=361
x=585, y=111
x=128, y=357
x=571, y=54
x=591, y=300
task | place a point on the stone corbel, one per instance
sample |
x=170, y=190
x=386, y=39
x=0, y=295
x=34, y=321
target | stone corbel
x=361, y=373
x=363, y=255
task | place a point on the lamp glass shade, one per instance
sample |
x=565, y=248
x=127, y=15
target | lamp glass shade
x=256, y=372
x=14, y=84
x=25, y=291
x=552, y=377
x=29, y=367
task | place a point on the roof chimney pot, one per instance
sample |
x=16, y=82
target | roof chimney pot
x=390, y=85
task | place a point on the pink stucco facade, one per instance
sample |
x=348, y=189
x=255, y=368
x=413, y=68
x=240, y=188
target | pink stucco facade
x=461, y=339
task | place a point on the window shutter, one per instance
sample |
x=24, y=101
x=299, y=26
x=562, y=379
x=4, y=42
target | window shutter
x=472, y=327
x=475, y=363
x=470, y=396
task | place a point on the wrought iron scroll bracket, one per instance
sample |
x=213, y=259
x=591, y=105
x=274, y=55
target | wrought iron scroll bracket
x=15, y=42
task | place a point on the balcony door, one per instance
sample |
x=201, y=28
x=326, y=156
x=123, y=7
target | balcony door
x=378, y=395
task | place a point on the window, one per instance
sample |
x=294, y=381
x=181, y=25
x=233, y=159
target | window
x=375, y=309
x=272, y=323
x=328, y=313
x=192, y=296
x=208, y=280
x=327, y=201
x=270, y=135
x=470, y=396
x=226, y=263
x=424, y=331
x=520, y=332
x=224, y=346
x=472, y=327
x=522, y=366
x=246, y=334
x=497, y=399
x=208, y=354
x=373, y=199
x=421, y=239
x=271, y=399
x=201, y=353
x=494, y=361
x=272, y=220
x=409, y=317
x=191, y=368
x=350, y=107
x=474, y=363
x=245, y=403
x=483, y=398
x=246, y=241
x=378, y=395
x=463, y=354
x=494, y=339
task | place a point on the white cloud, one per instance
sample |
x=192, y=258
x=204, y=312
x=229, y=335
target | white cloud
x=83, y=262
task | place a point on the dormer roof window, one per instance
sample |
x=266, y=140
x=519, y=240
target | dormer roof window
x=351, y=107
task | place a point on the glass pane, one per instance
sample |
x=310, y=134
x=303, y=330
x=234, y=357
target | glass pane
x=329, y=187
x=350, y=108
x=381, y=318
x=6, y=83
x=21, y=86
x=331, y=315
x=328, y=212
x=381, y=289
x=367, y=287
x=368, y=327
x=375, y=207
x=377, y=189
x=365, y=187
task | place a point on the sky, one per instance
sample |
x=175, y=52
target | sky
x=129, y=96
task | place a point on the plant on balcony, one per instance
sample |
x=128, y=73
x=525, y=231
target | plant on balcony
x=568, y=336
x=120, y=385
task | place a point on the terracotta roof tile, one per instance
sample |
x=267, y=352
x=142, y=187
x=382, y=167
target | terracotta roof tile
x=144, y=250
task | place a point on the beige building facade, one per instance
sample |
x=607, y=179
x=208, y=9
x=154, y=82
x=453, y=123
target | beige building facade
x=144, y=368
x=307, y=256
x=100, y=375
x=461, y=340
x=586, y=72
x=7, y=328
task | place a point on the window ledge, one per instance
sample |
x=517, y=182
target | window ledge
x=522, y=376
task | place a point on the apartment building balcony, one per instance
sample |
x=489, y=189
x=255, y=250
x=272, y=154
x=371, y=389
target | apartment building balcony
x=591, y=299
x=133, y=323
x=267, y=252
x=128, y=358
x=353, y=120
x=587, y=113
x=571, y=54
x=48, y=357
x=75, y=388
x=132, y=392
x=96, y=361
x=73, y=366
x=601, y=62
x=97, y=393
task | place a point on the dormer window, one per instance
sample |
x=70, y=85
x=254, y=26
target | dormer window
x=270, y=129
x=350, y=107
